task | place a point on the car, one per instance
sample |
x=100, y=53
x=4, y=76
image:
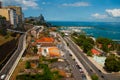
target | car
x=99, y=70
x=3, y=76
x=91, y=70
x=102, y=76
x=84, y=77
x=78, y=66
x=70, y=54
x=80, y=69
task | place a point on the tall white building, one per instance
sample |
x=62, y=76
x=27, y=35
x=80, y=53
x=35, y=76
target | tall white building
x=13, y=18
x=10, y=15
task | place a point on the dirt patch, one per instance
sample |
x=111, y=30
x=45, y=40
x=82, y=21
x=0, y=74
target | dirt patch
x=20, y=68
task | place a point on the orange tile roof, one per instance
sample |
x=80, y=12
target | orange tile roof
x=94, y=51
x=48, y=45
x=45, y=39
x=54, y=51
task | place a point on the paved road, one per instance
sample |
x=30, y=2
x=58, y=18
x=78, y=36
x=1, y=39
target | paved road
x=91, y=69
x=75, y=70
x=10, y=63
x=89, y=66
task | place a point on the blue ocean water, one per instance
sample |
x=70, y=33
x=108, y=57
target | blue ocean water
x=97, y=29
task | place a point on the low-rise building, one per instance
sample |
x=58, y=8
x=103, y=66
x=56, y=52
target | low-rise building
x=54, y=34
x=46, y=47
x=45, y=40
x=49, y=51
x=95, y=52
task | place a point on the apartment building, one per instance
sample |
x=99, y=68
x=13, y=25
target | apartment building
x=10, y=15
x=18, y=12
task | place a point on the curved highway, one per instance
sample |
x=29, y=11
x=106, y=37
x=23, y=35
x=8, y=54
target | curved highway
x=6, y=69
x=9, y=67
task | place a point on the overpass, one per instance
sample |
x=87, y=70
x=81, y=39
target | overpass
x=15, y=31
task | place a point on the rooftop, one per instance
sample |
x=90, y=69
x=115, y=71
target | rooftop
x=54, y=51
x=45, y=40
x=95, y=52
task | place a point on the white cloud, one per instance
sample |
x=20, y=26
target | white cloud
x=113, y=12
x=24, y=3
x=99, y=16
x=76, y=4
x=43, y=3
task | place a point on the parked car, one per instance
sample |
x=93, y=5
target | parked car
x=2, y=76
x=84, y=77
x=80, y=69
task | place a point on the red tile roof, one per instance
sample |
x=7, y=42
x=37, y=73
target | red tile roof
x=95, y=52
x=45, y=40
x=54, y=51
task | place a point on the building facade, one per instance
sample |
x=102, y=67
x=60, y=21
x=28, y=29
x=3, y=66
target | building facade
x=10, y=15
x=13, y=18
x=6, y=13
x=2, y=21
x=0, y=4
x=18, y=12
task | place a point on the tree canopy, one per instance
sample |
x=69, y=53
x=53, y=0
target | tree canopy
x=27, y=65
x=94, y=77
x=112, y=63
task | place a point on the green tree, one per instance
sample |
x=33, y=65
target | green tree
x=89, y=53
x=105, y=48
x=87, y=46
x=74, y=34
x=62, y=34
x=91, y=41
x=94, y=77
x=102, y=40
x=35, y=50
x=112, y=63
x=27, y=65
x=82, y=36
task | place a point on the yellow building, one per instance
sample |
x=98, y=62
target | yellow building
x=10, y=15
x=6, y=13
x=18, y=12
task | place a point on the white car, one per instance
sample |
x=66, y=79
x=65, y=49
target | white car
x=2, y=76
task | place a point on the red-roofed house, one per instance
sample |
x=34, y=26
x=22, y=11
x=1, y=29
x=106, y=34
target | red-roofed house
x=49, y=51
x=45, y=40
x=54, y=52
x=46, y=47
x=95, y=52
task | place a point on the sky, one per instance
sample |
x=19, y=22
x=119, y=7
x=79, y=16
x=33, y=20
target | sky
x=70, y=10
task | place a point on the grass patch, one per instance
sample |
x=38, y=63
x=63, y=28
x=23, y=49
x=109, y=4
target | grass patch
x=47, y=74
x=3, y=39
x=20, y=67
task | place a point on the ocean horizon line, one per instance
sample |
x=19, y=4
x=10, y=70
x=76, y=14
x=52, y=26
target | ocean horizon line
x=104, y=29
x=86, y=21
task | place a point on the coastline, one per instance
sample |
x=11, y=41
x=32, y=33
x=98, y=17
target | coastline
x=96, y=29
